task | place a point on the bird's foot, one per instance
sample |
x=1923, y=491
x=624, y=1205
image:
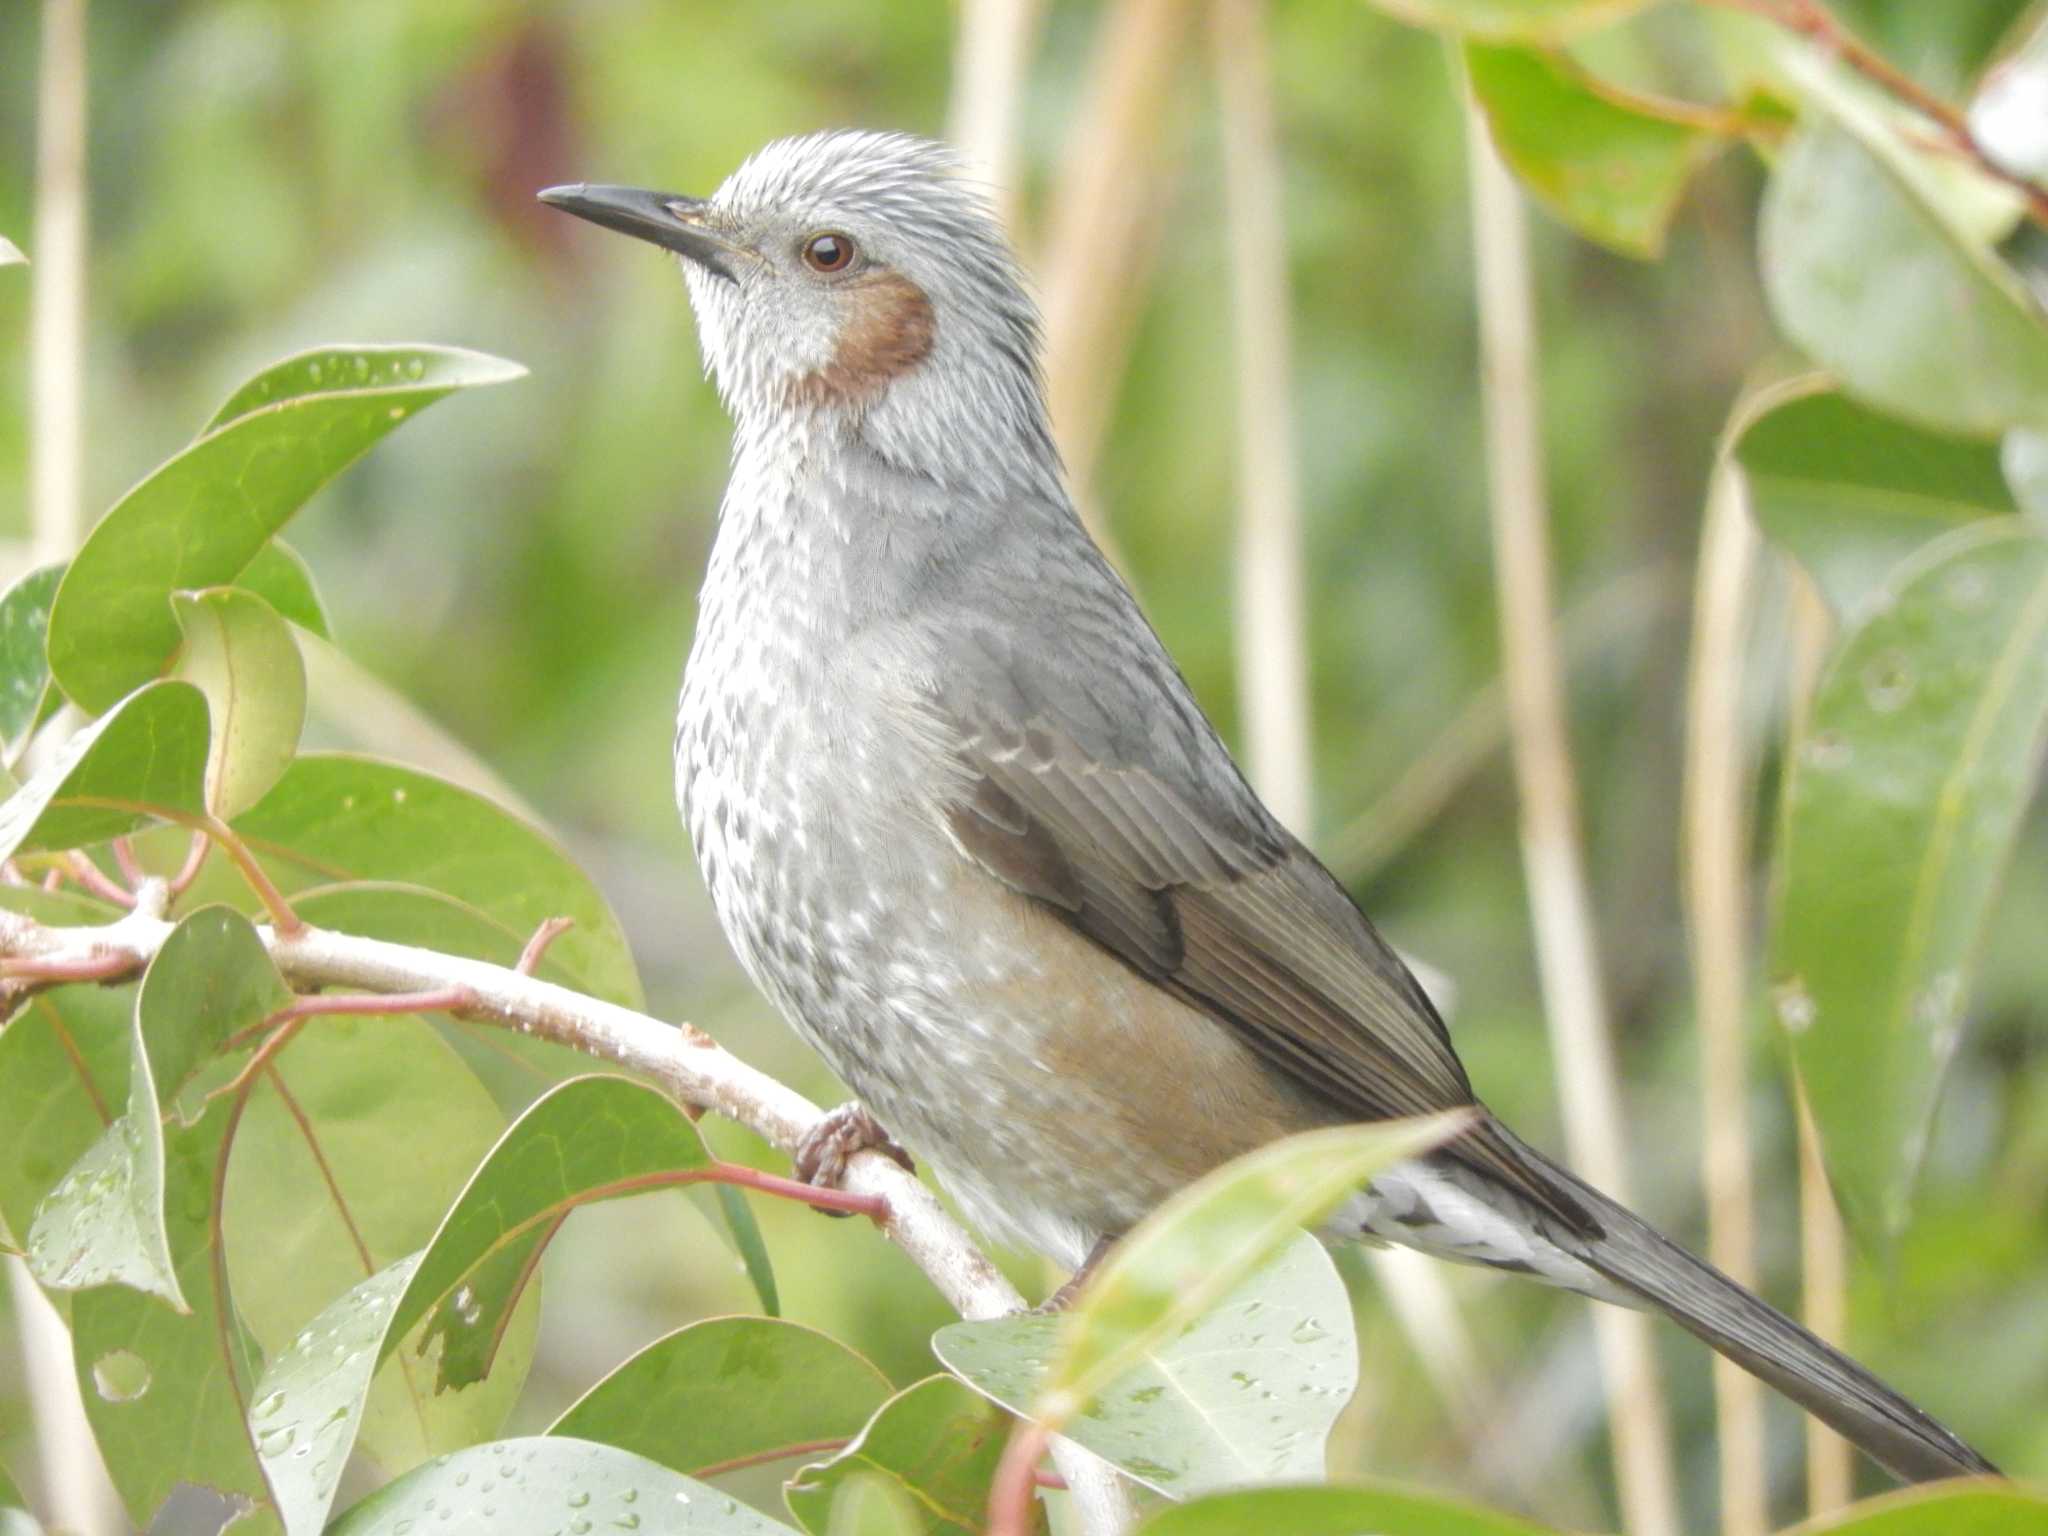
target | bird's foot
x=1065, y=1297
x=822, y=1155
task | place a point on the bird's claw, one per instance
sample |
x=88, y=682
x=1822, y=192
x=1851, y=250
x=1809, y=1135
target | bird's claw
x=822, y=1155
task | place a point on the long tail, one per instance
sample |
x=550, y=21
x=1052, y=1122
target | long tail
x=1761, y=1339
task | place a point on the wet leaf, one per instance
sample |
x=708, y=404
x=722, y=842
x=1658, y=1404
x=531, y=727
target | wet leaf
x=591, y=1138
x=1194, y=1250
x=63, y=1069
x=24, y=664
x=313, y=1209
x=162, y=1388
x=1248, y=1394
x=730, y=1389
x=1923, y=744
x=204, y=515
x=105, y=1221
x=545, y=1487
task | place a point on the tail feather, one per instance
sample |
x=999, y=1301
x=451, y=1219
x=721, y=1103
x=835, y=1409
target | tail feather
x=1762, y=1340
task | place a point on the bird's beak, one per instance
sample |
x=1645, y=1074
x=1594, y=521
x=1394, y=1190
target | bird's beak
x=671, y=222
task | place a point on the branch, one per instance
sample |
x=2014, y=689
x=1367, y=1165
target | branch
x=680, y=1059
x=1814, y=21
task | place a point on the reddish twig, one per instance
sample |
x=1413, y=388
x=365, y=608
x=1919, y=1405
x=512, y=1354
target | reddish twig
x=98, y=881
x=105, y=966
x=1011, y=1490
x=438, y=1000
x=131, y=867
x=282, y=917
x=54, y=880
x=1813, y=20
x=195, y=861
x=537, y=946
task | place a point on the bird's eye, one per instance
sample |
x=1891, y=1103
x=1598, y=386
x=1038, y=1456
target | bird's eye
x=828, y=253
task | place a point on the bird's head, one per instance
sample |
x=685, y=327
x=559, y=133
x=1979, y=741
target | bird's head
x=854, y=278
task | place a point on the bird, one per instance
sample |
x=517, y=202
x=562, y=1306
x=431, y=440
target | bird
x=965, y=824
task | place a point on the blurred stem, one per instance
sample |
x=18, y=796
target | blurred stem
x=1715, y=797
x=1560, y=907
x=1102, y=233
x=76, y=1492
x=1272, y=626
x=57, y=292
x=1823, y=1244
x=76, y=1495
x=1272, y=645
x=991, y=53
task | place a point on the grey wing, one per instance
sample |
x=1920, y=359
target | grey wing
x=1091, y=782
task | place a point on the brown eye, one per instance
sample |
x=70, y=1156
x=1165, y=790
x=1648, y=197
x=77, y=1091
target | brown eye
x=828, y=253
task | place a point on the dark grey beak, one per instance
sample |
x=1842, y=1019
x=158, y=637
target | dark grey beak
x=670, y=221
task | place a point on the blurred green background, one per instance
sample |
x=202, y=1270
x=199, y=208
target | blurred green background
x=268, y=175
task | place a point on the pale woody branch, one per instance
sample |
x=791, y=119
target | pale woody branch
x=685, y=1062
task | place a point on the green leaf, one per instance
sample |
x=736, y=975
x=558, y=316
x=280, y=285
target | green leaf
x=202, y=517
x=547, y=1486
x=307, y=1411
x=871, y=1505
x=591, y=1138
x=2024, y=456
x=736, y=1221
x=24, y=664
x=312, y=1207
x=144, y=759
x=63, y=1070
x=1872, y=269
x=1984, y=1508
x=728, y=1390
x=241, y=655
x=1529, y=21
x=1333, y=1511
x=1920, y=756
x=1194, y=1250
x=104, y=1222
x=1247, y=1394
x=937, y=1440
x=337, y=818
x=1851, y=493
x=163, y=1389
x=280, y=576
x=1611, y=165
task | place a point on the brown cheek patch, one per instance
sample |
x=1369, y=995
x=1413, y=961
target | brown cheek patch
x=887, y=332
